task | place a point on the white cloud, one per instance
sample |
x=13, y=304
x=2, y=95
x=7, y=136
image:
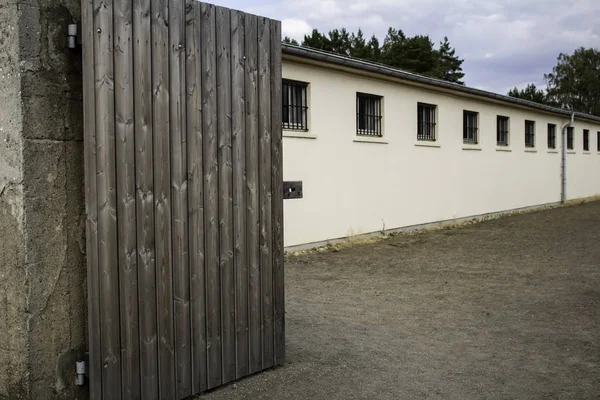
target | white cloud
x=295, y=28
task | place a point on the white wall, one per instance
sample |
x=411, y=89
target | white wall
x=356, y=187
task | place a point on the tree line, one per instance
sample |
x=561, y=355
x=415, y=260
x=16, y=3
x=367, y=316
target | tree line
x=416, y=54
x=574, y=83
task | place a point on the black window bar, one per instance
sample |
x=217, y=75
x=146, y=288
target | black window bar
x=529, y=134
x=586, y=140
x=368, y=115
x=470, y=127
x=551, y=136
x=502, y=131
x=295, y=105
x=426, y=122
x=598, y=141
x=570, y=137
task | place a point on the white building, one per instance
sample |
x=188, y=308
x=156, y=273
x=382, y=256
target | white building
x=378, y=148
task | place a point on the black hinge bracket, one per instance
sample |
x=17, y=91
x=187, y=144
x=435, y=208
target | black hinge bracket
x=292, y=190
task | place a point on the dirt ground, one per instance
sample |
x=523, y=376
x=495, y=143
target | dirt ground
x=506, y=309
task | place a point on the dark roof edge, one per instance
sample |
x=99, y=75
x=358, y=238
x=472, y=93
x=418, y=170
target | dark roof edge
x=337, y=59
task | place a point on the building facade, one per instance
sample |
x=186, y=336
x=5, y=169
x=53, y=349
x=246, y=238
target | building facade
x=385, y=150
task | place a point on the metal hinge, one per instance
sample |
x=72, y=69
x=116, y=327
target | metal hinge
x=292, y=190
x=81, y=370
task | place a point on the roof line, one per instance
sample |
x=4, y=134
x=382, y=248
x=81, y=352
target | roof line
x=338, y=59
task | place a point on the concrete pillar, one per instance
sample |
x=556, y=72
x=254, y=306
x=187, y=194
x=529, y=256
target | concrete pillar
x=43, y=308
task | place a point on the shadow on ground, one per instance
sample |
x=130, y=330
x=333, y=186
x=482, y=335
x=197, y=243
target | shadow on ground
x=507, y=309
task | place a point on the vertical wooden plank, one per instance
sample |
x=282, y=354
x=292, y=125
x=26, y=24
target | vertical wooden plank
x=195, y=196
x=223, y=41
x=181, y=272
x=238, y=121
x=107, y=202
x=277, y=195
x=91, y=205
x=145, y=198
x=162, y=211
x=264, y=139
x=252, y=198
x=126, y=207
x=211, y=196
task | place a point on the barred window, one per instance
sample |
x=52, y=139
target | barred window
x=502, y=131
x=586, y=140
x=426, y=122
x=368, y=115
x=295, y=105
x=551, y=136
x=570, y=137
x=529, y=133
x=470, y=127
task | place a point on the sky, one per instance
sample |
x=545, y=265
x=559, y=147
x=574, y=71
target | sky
x=505, y=43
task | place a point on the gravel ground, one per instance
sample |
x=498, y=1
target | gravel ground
x=506, y=309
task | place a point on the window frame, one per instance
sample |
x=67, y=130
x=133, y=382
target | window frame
x=505, y=133
x=586, y=140
x=431, y=124
x=571, y=138
x=303, y=125
x=470, y=134
x=598, y=141
x=551, y=135
x=375, y=119
x=529, y=134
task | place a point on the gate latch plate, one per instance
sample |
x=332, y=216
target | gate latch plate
x=292, y=190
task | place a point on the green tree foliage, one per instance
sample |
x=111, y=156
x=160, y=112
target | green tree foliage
x=531, y=93
x=316, y=40
x=413, y=54
x=575, y=81
x=449, y=67
x=290, y=41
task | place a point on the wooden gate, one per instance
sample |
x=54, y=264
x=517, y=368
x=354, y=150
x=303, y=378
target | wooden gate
x=184, y=196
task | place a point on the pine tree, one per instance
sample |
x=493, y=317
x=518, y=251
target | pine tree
x=340, y=41
x=359, y=47
x=290, y=41
x=449, y=66
x=316, y=40
x=531, y=93
x=374, y=49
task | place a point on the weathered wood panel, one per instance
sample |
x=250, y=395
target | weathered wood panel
x=252, y=199
x=181, y=277
x=223, y=42
x=126, y=207
x=264, y=166
x=144, y=171
x=277, y=195
x=211, y=195
x=91, y=201
x=107, y=201
x=184, y=230
x=162, y=201
x=196, y=196
x=238, y=121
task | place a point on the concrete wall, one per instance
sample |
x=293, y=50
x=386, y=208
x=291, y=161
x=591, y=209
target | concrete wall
x=354, y=186
x=42, y=285
x=13, y=327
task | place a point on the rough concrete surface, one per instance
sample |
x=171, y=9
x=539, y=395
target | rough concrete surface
x=506, y=309
x=13, y=364
x=42, y=290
